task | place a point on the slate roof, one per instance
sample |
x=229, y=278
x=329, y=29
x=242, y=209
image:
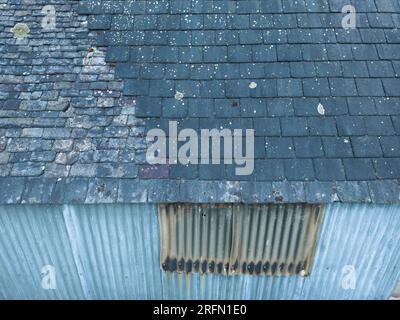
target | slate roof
x=76, y=102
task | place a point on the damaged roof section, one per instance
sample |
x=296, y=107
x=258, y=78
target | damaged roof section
x=77, y=101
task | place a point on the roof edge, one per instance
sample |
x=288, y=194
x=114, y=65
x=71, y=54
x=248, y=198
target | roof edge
x=44, y=190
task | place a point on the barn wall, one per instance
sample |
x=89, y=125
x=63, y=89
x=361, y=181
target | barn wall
x=112, y=252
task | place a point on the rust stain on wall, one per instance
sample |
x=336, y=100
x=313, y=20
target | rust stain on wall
x=239, y=239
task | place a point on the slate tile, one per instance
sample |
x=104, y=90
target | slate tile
x=354, y=69
x=237, y=89
x=389, y=51
x=306, y=106
x=339, y=52
x=167, y=55
x=369, y=87
x=203, y=37
x=27, y=169
x=334, y=106
x=271, y=6
x=265, y=89
x=38, y=190
x=279, y=147
x=361, y=106
x=373, y=35
x=117, y=54
x=302, y=69
x=328, y=69
x=342, y=87
x=379, y=125
x=294, y=6
x=259, y=147
x=192, y=22
x=388, y=168
x=191, y=55
x=396, y=123
x=275, y=36
x=236, y=21
x=264, y=53
x=392, y=36
x=224, y=108
x=351, y=126
x=285, y=21
x=215, y=54
x=102, y=191
x=214, y=21
x=391, y=87
x=212, y=171
x=12, y=189
x=314, y=52
x=288, y=192
x=359, y=169
x=200, y=108
x=253, y=108
x=319, y=192
x=293, y=127
x=322, y=126
x=148, y=107
x=353, y=192
x=329, y=169
x=390, y=146
x=277, y=70
x=99, y=22
x=318, y=87
x=252, y=70
x=289, y=88
x=308, y=147
x=299, y=169
x=366, y=147
x=179, y=171
x=256, y=192
x=70, y=191
x=214, y=89
x=250, y=37
x=239, y=54
x=267, y=127
x=337, y=147
x=269, y=170
x=380, y=20
x=227, y=37
x=172, y=108
x=286, y=52
x=386, y=191
x=380, y=69
x=158, y=88
x=133, y=87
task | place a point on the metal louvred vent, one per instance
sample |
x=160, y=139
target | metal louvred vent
x=239, y=239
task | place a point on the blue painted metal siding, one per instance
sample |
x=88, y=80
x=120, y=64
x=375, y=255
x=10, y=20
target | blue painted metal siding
x=112, y=252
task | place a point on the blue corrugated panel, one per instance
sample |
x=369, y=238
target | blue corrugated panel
x=112, y=252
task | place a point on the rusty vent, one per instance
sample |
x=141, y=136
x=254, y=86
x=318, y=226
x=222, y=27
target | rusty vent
x=239, y=239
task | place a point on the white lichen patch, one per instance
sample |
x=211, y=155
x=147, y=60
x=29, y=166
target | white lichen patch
x=20, y=30
x=179, y=95
x=321, y=109
x=253, y=85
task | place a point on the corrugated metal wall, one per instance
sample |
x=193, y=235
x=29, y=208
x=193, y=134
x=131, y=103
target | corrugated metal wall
x=112, y=252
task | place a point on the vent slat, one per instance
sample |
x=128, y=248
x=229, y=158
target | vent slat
x=238, y=239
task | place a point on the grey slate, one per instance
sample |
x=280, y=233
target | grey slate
x=73, y=124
